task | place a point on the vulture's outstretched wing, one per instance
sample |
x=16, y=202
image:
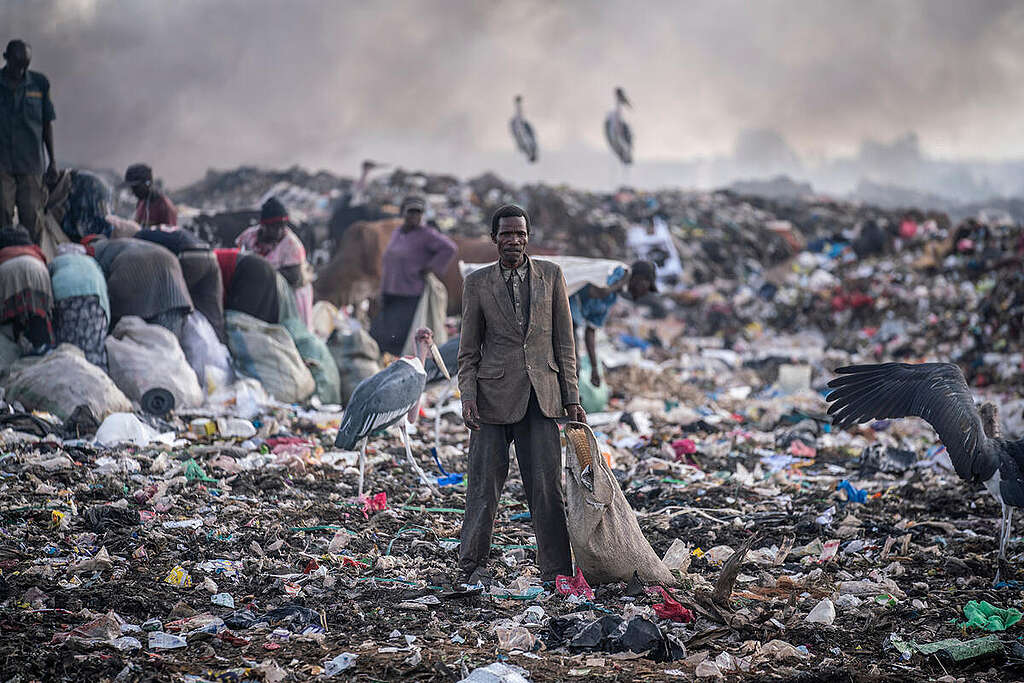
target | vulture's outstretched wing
x=935, y=392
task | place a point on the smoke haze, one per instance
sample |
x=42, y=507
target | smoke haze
x=187, y=85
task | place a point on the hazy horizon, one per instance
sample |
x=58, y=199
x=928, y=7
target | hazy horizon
x=193, y=85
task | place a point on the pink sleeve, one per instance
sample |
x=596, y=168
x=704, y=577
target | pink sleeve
x=247, y=237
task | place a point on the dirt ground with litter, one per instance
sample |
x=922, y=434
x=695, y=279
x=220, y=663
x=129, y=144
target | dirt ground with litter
x=923, y=529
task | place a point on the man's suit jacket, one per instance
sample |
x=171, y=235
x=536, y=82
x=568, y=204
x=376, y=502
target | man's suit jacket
x=498, y=363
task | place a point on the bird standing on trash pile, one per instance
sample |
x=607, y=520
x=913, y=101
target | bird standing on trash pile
x=381, y=400
x=938, y=393
x=620, y=137
x=522, y=131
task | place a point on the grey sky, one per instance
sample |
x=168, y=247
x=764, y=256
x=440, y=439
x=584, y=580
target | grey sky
x=186, y=85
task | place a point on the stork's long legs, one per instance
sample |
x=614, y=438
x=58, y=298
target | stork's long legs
x=362, y=465
x=437, y=418
x=412, y=460
x=1005, y=527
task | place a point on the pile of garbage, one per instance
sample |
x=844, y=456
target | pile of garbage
x=878, y=282
x=207, y=545
x=226, y=541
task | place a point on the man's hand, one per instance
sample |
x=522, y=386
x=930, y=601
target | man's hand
x=595, y=379
x=471, y=414
x=576, y=413
x=51, y=174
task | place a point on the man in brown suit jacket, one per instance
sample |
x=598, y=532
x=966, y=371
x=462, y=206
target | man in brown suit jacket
x=517, y=373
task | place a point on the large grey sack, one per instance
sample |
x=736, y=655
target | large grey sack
x=143, y=356
x=267, y=353
x=61, y=381
x=605, y=536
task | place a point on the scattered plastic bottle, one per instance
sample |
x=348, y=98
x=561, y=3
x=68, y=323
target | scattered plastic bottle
x=158, y=640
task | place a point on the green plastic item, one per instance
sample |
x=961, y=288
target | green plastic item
x=983, y=615
x=960, y=650
x=593, y=400
x=194, y=471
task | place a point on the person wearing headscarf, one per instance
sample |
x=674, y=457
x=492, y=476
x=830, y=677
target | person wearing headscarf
x=414, y=250
x=153, y=207
x=143, y=279
x=250, y=285
x=81, y=309
x=275, y=240
x=26, y=298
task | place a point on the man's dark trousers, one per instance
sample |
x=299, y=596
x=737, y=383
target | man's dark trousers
x=540, y=464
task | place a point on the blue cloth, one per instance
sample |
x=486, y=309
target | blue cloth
x=592, y=310
x=74, y=275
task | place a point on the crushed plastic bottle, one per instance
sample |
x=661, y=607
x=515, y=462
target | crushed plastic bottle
x=158, y=640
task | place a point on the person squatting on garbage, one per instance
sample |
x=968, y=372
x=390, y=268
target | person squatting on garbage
x=143, y=279
x=81, y=308
x=250, y=285
x=275, y=240
x=590, y=305
x=414, y=250
x=26, y=298
x=199, y=268
x=26, y=139
x=517, y=373
x=153, y=206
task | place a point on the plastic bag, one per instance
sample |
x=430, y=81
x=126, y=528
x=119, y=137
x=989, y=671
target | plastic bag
x=355, y=354
x=267, y=353
x=318, y=359
x=61, y=381
x=203, y=350
x=144, y=357
x=593, y=399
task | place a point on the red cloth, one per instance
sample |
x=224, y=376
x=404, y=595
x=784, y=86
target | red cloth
x=7, y=253
x=155, y=210
x=227, y=259
x=670, y=608
x=576, y=585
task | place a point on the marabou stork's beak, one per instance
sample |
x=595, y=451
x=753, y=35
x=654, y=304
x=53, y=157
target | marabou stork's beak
x=436, y=353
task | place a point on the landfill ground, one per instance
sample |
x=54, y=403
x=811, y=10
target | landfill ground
x=924, y=542
x=252, y=558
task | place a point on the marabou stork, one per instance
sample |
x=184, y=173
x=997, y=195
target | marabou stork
x=383, y=399
x=938, y=393
x=450, y=357
x=620, y=137
x=522, y=132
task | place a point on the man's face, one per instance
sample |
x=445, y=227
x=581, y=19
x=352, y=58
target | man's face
x=140, y=190
x=413, y=217
x=512, y=239
x=639, y=287
x=19, y=57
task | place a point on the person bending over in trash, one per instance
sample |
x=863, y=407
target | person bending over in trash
x=590, y=305
x=517, y=374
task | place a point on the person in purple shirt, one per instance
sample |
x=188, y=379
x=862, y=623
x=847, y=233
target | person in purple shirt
x=414, y=250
